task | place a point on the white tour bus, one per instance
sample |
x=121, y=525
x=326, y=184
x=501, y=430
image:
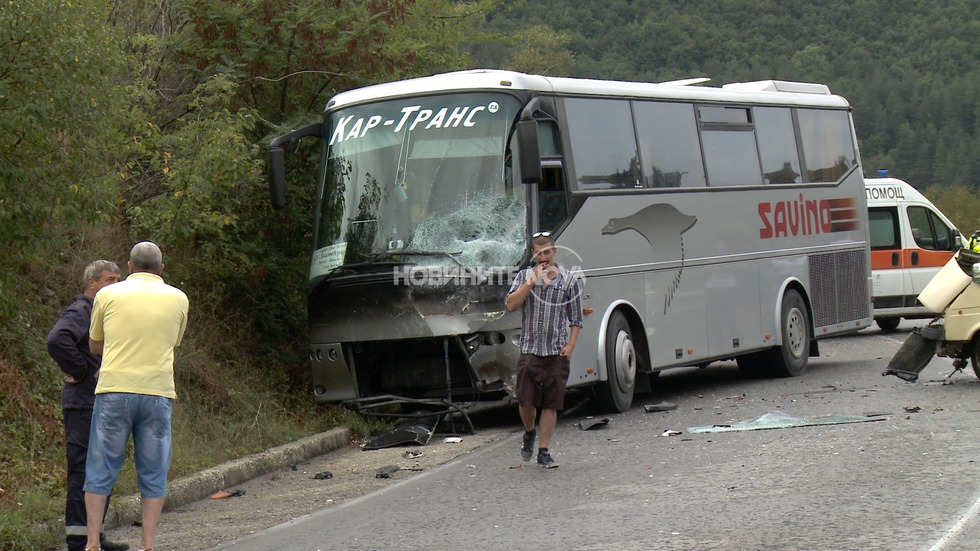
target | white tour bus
x=911, y=240
x=705, y=224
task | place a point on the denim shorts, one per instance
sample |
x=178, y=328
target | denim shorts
x=115, y=417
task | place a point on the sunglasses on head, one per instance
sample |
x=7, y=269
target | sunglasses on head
x=541, y=234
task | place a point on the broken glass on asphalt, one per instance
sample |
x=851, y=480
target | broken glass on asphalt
x=779, y=420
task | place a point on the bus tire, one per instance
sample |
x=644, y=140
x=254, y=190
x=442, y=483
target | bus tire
x=615, y=394
x=789, y=359
x=888, y=324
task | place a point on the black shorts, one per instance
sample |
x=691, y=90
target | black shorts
x=541, y=381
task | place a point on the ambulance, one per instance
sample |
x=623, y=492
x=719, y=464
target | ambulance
x=911, y=240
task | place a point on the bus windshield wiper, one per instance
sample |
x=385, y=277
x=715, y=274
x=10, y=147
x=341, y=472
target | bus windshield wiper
x=451, y=256
x=368, y=263
x=353, y=268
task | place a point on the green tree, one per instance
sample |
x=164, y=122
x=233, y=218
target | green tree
x=63, y=121
x=961, y=204
x=541, y=50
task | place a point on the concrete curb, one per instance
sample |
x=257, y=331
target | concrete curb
x=185, y=490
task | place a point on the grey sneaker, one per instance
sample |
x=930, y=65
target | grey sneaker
x=545, y=460
x=527, y=450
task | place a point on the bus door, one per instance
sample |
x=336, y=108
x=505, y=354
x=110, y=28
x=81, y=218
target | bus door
x=552, y=199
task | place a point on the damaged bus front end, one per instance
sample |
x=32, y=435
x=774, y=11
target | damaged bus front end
x=415, y=335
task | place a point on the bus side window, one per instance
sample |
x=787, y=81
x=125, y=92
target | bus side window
x=828, y=151
x=669, y=148
x=777, y=145
x=731, y=155
x=552, y=204
x=603, y=144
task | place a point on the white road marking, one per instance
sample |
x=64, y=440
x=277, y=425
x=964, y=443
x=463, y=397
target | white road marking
x=960, y=525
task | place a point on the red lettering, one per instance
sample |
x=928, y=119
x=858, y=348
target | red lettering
x=765, y=232
x=826, y=219
x=806, y=217
x=779, y=219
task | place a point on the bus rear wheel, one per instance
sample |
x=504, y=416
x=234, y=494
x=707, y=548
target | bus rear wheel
x=789, y=359
x=615, y=394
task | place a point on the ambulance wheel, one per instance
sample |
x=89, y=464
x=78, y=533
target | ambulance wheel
x=888, y=324
x=789, y=359
x=615, y=394
x=975, y=355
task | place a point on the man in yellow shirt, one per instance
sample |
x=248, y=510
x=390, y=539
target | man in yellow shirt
x=136, y=324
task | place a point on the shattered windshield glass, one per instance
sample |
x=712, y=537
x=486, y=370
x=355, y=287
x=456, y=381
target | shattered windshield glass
x=421, y=181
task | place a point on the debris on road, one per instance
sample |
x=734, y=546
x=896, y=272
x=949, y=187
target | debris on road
x=419, y=432
x=593, y=423
x=412, y=454
x=221, y=494
x=913, y=409
x=387, y=471
x=323, y=475
x=779, y=420
x=660, y=406
x=452, y=439
x=670, y=432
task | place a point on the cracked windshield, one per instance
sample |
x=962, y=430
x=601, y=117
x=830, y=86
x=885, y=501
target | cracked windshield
x=419, y=182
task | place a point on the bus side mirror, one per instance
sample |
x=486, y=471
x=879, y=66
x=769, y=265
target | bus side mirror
x=275, y=164
x=275, y=160
x=527, y=137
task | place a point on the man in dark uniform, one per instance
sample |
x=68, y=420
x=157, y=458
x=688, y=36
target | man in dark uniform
x=68, y=345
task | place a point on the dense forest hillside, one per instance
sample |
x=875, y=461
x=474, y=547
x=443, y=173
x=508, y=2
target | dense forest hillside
x=909, y=67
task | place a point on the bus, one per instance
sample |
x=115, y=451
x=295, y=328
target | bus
x=704, y=224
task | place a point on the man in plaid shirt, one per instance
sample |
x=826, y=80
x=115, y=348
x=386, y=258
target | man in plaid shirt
x=549, y=298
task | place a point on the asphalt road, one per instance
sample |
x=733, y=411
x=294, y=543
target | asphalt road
x=907, y=481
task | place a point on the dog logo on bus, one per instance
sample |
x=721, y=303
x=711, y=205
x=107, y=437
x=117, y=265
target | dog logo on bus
x=663, y=227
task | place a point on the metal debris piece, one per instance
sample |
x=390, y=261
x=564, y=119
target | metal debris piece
x=913, y=409
x=419, y=432
x=387, y=471
x=912, y=357
x=453, y=439
x=593, y=423
x=412, y=454
x=660, y=406
x=669, y=432
x=779, y=420
x=323, y=476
